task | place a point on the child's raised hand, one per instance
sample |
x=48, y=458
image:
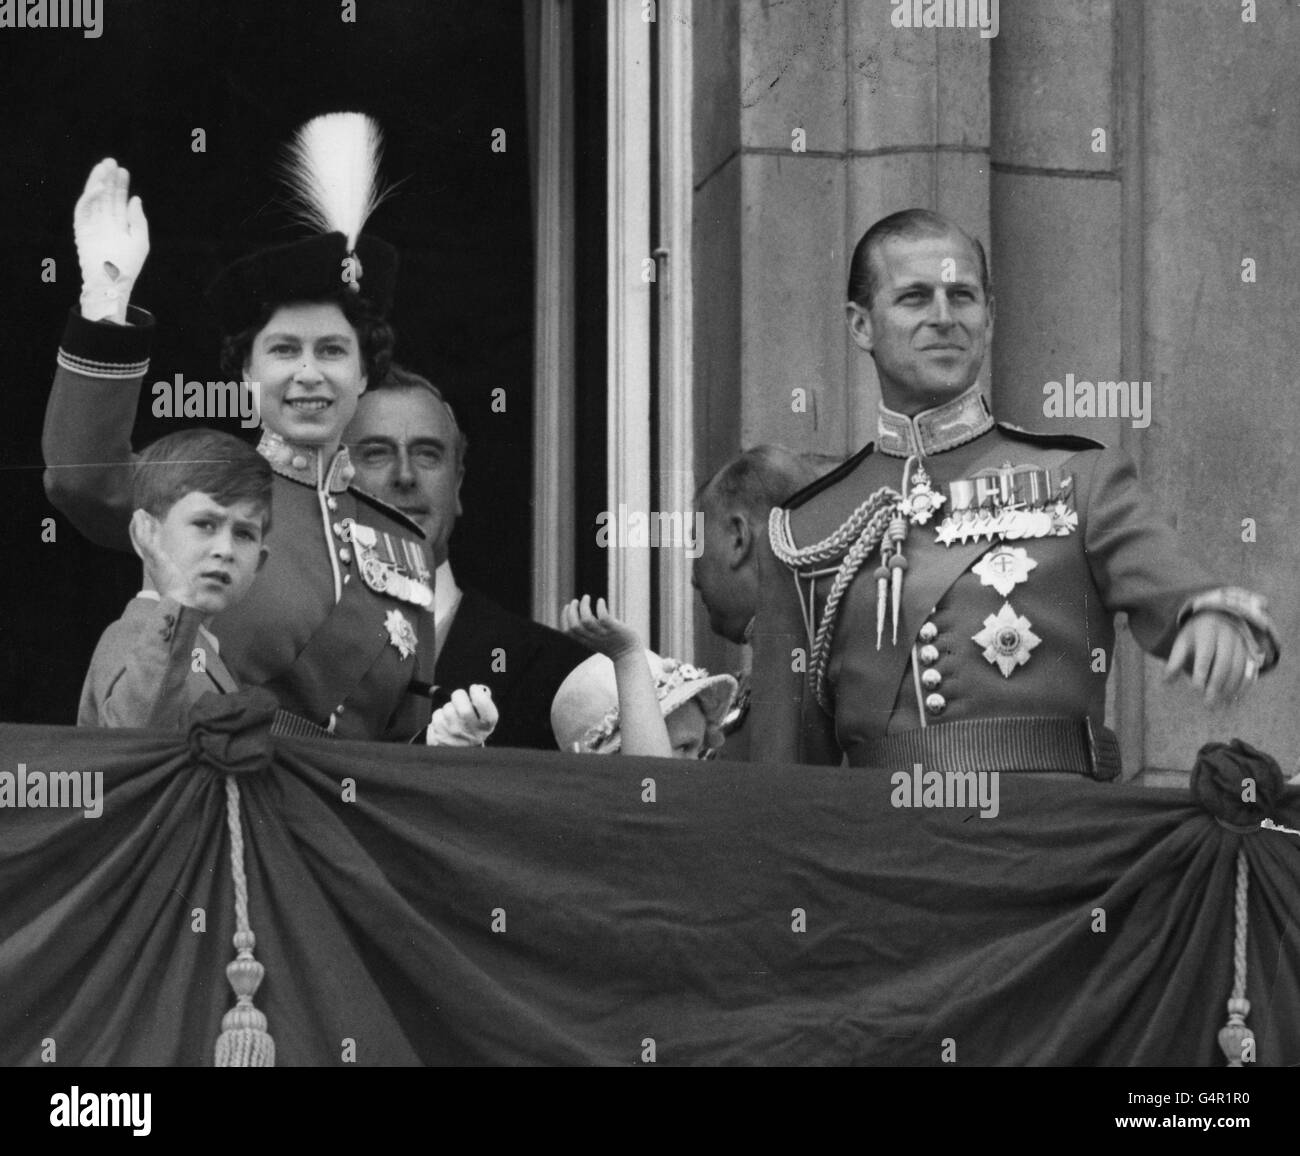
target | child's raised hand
x=161, y=570
x=598, y=628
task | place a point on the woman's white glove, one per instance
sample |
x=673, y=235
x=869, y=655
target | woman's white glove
x=466, y=721
x=112, y=242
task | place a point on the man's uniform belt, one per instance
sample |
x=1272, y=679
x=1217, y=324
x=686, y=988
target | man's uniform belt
x=997, y=744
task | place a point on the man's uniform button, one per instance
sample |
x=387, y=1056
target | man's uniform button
x=345, y=554
x=935, y=703
x=931, y=678
x=929, y=632
x=929, y=654
x=299, y=462
x=332, y=503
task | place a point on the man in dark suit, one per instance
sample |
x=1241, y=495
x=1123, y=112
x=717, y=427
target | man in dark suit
x=958, y=579
x=409, y=451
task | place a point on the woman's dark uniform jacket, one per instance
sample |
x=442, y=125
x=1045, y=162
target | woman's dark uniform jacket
x=319, y=658
x=1122, y=556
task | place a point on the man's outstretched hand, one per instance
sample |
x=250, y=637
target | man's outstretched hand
x=112, y=242
x=1211, y=650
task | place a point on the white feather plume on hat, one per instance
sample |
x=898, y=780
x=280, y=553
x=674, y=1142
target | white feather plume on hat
x=332, y=171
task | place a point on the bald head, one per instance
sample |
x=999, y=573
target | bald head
x=736, y=502
x=755, y=481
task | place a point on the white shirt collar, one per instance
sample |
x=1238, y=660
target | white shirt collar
x=446, y=594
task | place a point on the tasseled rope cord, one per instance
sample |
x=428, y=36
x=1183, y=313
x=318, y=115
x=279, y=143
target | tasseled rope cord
x=1234, y=1034
x=244, y=1041
x=859, y=535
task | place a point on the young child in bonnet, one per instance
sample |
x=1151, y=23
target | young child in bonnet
x=629, y=699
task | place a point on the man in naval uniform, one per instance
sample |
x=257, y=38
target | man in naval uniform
x=336, y=626
x=954, y=582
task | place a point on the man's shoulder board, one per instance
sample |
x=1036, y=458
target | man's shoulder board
x=839, y=473
x=1063, y=441
x=391, y=512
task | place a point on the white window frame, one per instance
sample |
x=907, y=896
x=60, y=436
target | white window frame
x=630, y=245
x=553, y=319
x=676, y=356
x=628, y=225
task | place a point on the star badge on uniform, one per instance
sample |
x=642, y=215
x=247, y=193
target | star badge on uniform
x=962, y=526
x=922, y=500
x=1063, y=520
x=947, y=531
x=1007, y=639
x=401, y=633
x=1004, y=568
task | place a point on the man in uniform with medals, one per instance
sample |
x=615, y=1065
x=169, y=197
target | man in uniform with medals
x=336, y=625
x=951, y=584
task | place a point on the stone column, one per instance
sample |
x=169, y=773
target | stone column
x=1222, y=166
x=1062, y=149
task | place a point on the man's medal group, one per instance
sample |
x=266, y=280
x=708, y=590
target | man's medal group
x=1009, y=503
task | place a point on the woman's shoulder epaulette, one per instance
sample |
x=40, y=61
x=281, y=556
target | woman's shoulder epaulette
x=403, y=521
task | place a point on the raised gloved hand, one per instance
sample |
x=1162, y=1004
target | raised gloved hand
x=112, y=242
x=466, y=721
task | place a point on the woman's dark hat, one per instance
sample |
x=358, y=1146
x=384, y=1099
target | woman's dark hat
x=307, y=270
x=332, y=171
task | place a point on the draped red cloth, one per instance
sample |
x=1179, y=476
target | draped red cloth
x=498, y=907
